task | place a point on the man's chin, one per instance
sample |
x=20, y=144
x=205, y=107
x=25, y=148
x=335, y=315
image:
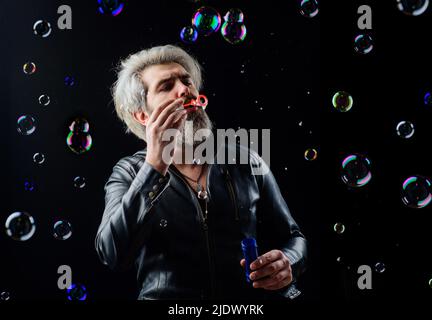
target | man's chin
x=194, y=114
x=187, y=144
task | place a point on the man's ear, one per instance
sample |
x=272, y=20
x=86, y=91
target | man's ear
x=142, y=117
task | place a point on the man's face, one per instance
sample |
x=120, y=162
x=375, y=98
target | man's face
x=165, y=82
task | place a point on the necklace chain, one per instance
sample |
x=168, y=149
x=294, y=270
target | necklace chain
x=196, y=181
x=202, y=194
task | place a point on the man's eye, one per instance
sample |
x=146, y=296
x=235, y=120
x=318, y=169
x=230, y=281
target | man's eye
x=165, y=87
x=187, y=82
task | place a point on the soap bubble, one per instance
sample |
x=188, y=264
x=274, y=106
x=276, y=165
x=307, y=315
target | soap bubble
x=363, y=44
x=339, y=228
x=62, y=230
x=79, y=182
x=233, y=32
x=69, y=81
x=4, y=296
x=380, y=267
x=79, y=142
x=44, y=100
x=356, y=170
x=29, y=67
x=76, y=292
x=189, y=34
x=342, y=101
x=163, y=223
x=26, y=125
x=206, y=20
x=29, y=185
x=405, y=129
x=42, y=28
x=412, y=7
x=416, y=192
x=309, y=8
x=428, y=99
x=112, y=7
x=79, y=125
x=234, y=16
x=20, y=226
x=78, y=139
x=39, y=158
x=310, y=154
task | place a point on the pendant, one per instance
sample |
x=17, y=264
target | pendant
x=202, y=194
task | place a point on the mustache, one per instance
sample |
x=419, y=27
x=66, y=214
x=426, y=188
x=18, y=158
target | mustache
x=189, y=97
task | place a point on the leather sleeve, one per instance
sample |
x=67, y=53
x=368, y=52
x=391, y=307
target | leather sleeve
x=280, y=226
x=125, y=222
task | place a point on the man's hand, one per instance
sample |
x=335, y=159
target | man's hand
x=162, y=118
x=271, y=271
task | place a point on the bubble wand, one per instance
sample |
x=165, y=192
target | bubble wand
x=193, y=104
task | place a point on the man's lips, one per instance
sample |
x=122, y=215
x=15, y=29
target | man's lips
x=190, y=107
x=192, y=104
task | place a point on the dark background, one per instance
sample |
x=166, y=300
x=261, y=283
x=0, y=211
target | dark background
x=388, y=86
x=276, y=68
x=283, y=57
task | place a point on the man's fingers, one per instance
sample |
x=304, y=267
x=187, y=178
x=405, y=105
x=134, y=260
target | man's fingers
x=243, y=262
x=167, y=111
x=278, y=280
x=178, y=123
x=174, y=117
x=286, y=281
x=158, y=110
x=266, y=258
x=268, y=270
x=272, y=271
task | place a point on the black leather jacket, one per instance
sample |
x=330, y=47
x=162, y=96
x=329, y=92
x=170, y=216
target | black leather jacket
x=156, y=221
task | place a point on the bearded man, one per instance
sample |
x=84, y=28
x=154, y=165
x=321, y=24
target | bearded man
x=181, y=223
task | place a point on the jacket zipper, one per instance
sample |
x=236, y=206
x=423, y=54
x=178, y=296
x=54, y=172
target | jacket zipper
x=232, y=193
x=204, y=224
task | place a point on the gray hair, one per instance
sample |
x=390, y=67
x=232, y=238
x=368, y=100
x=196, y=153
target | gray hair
x=128, y=91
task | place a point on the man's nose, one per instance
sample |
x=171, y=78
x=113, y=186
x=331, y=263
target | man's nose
x=183, y=90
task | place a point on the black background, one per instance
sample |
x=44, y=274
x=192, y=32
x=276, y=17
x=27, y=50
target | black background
x=288, y=65
x=388, y=86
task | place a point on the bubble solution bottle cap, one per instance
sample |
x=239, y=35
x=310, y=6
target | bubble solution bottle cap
x=250, y=253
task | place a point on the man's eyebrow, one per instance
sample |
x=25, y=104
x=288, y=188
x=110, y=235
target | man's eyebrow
x=182, y=76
